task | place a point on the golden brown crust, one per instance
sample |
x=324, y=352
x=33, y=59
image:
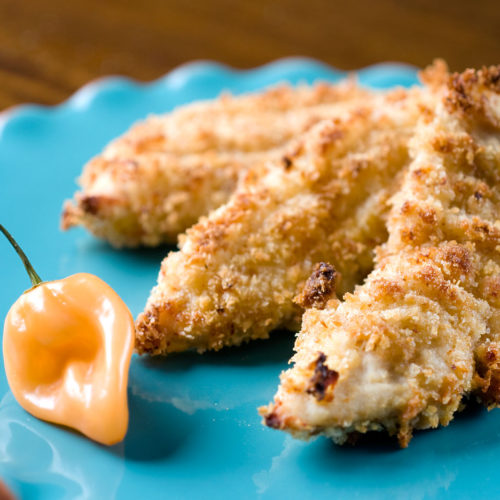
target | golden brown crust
x=239, y=269
x=470, y=94
x=423, y=331
x=436, y=75
x=157, y=179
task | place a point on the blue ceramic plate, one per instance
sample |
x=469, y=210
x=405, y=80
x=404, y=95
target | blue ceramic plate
x=194, y=430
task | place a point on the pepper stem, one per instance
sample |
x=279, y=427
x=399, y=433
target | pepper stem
x=35, y=279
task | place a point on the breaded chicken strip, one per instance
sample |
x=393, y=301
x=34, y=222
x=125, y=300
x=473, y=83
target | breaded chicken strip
x=238, y=270
x=423, y=331
x=163, y=174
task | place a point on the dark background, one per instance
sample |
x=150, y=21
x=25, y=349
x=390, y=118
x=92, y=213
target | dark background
x=50, y=48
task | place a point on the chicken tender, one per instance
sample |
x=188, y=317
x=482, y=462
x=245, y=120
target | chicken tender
x=238, y=270
x=158, y=178
x=423, y=331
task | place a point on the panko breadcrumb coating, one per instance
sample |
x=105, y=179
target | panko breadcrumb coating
x=238, y=271
x=157, y=179
x=423, y=331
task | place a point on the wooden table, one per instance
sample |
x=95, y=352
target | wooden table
x=50, y=48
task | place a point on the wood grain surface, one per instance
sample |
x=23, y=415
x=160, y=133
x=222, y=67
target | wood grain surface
x=50, y=48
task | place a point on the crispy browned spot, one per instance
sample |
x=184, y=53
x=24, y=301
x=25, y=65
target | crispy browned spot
x=466, y=91
x=287, y=162
x=322, y=378
x=90, y=204
x=148, y=337
x=272, y=420
x=488, y=375
x=319, y=288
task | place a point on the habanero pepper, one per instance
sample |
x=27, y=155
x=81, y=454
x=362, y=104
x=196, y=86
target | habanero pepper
x=67, y=346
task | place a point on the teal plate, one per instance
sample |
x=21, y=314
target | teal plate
x=194, y=430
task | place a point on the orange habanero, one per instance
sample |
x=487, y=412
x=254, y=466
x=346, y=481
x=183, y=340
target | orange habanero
x=67, y=346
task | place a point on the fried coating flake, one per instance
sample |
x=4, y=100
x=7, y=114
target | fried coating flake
x=423, y=331
x=157, y=179
x=238, y=270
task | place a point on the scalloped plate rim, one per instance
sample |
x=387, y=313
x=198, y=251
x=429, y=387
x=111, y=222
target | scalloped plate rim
x=79, y=99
